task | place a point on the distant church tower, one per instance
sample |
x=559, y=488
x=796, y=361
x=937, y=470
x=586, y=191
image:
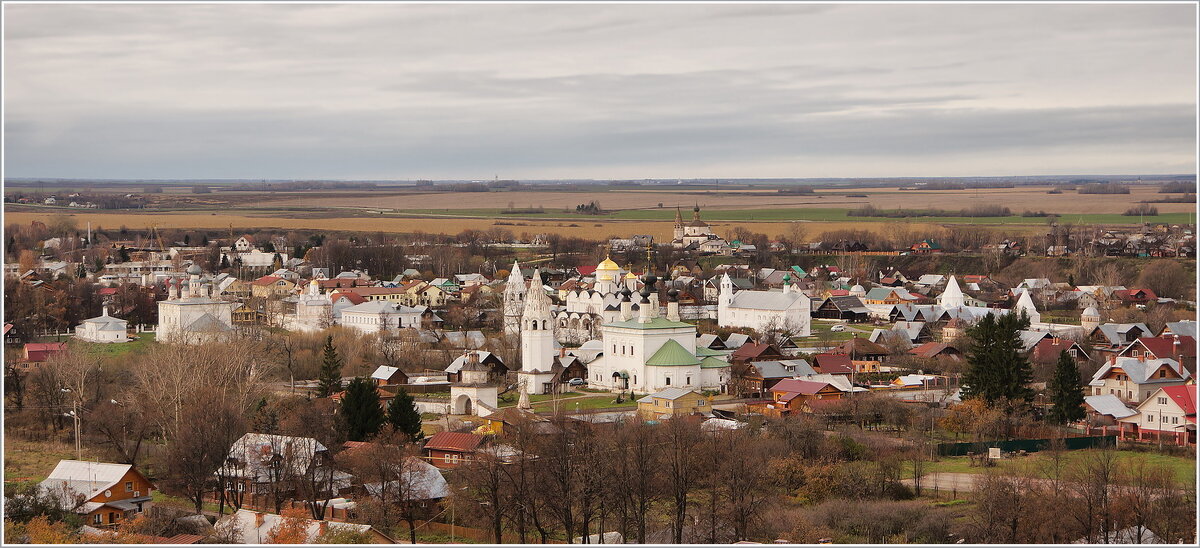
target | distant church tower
x=514, y=300
x=1089, y=320
x=678, y=224
x=537, y=339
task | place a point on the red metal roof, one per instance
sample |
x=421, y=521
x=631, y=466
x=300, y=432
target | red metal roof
x=1184, y=396
x=754, y=350
x=1164, y=347
x=43, y=347
x=352, y=297
x=586, y=270
x=266, y=280
x=454, y=441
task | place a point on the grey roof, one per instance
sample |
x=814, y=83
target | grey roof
x=1113, y=331
x=783, y=369
x=672, y=393
x=707, y=340
x=930, y=279
x=73, y=478
x=424, y=481
x=1029, y=339
x=849, y=303
x=382, y=307
x=207, y=323
x=384, y=372
x=1109, y=404
x=911, y=329
x=469, y=339
x=456, y=365
x=736, y=340
x=1186, y=327
x=1140, y=371
x=766, y=300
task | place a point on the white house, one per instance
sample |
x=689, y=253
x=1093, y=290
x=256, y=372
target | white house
x=1168, y=410
x=760, y=309
x=377, y=316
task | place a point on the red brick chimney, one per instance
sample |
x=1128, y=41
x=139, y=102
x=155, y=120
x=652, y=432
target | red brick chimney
x=258, y=519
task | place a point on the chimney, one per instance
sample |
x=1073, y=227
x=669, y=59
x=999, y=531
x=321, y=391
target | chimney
x=322, y=527
x=562, y=352
x=673, y=311
x=1141, y=356
x=258, y=519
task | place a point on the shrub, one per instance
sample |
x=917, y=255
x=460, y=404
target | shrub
x=1103, y=188
x=1141, y=209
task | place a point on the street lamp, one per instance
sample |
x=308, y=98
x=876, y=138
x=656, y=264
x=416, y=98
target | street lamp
x=74, y=414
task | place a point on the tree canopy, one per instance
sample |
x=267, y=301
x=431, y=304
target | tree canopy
x=997, y=369
x=1066, y=391
x=360, y=409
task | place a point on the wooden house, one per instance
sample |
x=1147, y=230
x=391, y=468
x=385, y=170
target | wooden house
x=103, y=494
x=451, y=449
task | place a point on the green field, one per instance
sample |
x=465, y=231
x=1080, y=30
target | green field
x=799, y=214
x=137, y=346
x=509, y=400
x=1185, y=468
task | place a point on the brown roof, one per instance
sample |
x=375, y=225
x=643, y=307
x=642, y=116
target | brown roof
x=859, y=345
x=931, y=349
x=454, y=441
x=755, y=350
x=352, y=297
x=266, y=280
x=834, y=364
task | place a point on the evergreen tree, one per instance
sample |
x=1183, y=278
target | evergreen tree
x=330, y=378
x=224, y=261
x=361, y=410
x=277, y=262
x=997, y=369
x=1066, y=391
x=402, y=413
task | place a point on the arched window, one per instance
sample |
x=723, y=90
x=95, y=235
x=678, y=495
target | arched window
x=533, y=325
x=543, y=325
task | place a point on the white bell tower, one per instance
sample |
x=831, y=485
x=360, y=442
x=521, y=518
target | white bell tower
x=537, y=339
x=514, y=300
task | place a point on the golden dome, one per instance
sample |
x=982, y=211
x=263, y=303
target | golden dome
x=630, y=276
x=608, y=264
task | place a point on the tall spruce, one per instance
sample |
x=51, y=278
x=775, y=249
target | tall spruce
x=402, y=413
x=1066, y=391
x=361, y=410
x=330, y=378
x=997, y=369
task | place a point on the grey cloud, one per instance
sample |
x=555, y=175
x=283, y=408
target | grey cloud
x=595, y=90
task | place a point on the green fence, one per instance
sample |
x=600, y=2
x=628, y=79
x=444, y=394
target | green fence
x=1082, y=442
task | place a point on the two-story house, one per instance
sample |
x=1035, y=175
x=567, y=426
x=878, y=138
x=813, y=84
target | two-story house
x=673, y=402
x=1134, y=379
x=1169, y=411
x=1181, y=349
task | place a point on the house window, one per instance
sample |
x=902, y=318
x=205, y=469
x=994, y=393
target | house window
x=1133, y=353
x=1073, y=352
x=1149, y=418
x=635, y=379
x=1162, y=401
x=1162, y=374
x=129, y=487
x=1174, y=420
x=446, y=458
x=97, y=519
x=689, y=380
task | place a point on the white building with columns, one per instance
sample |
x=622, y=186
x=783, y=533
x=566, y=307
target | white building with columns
x=760, y=309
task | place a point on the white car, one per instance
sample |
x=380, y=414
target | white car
x=838, y=328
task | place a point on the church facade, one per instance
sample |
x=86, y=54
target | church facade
x=696, y=234
x=193, y=315
x=762, y=309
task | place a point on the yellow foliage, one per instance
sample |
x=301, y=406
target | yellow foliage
x=292, y=529
x=41, y=530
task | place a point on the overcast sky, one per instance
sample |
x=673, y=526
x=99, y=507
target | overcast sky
x=597, y=91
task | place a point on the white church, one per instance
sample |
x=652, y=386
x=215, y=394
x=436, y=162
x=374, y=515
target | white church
x=193, y=315
x=760, y=309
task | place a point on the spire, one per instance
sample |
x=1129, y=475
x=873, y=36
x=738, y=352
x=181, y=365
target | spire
x=678, y=217
x=537, y=304
x=516, y=282
x=952, y=297
x=696, y=213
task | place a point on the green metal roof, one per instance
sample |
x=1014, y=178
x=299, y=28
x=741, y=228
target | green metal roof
x=713, y=362
x=702, y=351
x=672, y=353
x=654, y=323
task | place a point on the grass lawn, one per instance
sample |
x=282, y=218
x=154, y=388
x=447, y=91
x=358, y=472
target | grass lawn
x=116, y=350
x=510, y=400
x=822, y=334
x=1185, y=468
x=172, y=500
x=31, y=461
x=595, y=402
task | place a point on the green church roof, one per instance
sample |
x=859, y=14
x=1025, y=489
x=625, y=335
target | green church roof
x=713, y=362
x=672, y=353
x=654, y=323
x=702, y=351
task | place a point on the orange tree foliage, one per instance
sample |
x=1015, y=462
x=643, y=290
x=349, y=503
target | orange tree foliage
x=292, y=529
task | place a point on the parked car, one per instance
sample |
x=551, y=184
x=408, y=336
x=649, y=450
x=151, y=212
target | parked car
x=837, y=328
x=576, y=382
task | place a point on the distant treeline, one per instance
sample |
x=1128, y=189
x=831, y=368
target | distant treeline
x=797, y=190
x=1103, y=188
x=302, y=185
x=1179, y=186
x=1181, y=199
x=976, y=211
x=1141, y=209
